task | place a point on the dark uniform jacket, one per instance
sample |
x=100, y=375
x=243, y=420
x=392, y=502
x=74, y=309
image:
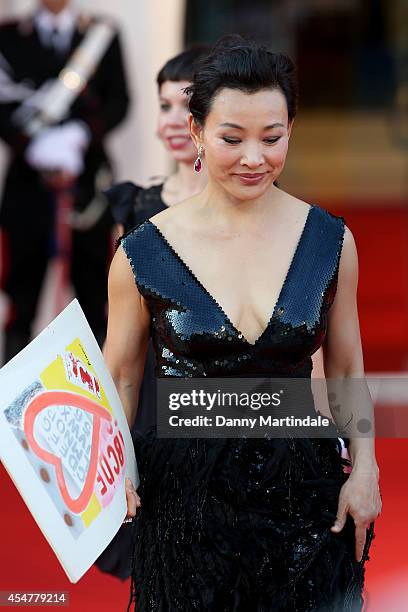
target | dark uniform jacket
x=102, y=105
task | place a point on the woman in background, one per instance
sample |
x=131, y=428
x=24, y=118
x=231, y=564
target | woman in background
x=130, y=206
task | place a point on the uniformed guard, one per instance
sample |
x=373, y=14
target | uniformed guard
x=62, y=89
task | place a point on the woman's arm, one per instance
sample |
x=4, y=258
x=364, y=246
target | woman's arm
x=128, y=333
x=126, y=345
x=343, y=360
x=343, y=355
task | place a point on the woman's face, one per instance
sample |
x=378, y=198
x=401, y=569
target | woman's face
x=55, y=6
x=173, y=127
x=245, y=140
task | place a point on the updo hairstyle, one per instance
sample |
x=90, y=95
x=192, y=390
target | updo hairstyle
x=237, y=63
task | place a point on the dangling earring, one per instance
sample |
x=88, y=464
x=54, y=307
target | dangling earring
x=198, y=164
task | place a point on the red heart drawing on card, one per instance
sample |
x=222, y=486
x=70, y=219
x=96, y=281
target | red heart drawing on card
x=74, y=400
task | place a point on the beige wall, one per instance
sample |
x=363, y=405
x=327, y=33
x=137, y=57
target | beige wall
x=152, y=32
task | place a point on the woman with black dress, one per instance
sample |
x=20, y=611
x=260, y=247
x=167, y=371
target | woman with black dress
x=243, y=280
x=130, y=205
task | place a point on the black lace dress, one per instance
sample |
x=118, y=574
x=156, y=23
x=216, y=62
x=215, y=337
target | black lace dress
x=241, y=524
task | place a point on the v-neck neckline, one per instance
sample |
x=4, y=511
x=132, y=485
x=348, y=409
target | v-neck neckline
x=239, y=333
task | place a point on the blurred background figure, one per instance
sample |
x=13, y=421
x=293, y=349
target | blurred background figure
x=55, y=111
x=130, y=203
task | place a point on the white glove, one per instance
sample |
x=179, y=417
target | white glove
x=59, y=148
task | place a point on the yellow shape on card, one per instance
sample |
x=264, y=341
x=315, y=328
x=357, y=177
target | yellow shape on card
x=55, y=375
x=91, y=511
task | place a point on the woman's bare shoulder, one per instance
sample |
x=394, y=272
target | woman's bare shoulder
x=297, y=204
x=349, y=256
x=120, y=271
x=175, y=216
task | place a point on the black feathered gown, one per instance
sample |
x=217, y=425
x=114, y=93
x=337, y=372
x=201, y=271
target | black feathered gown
x=241, y=524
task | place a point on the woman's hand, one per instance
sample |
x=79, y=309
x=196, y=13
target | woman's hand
x=133, y=500
x=360, y=497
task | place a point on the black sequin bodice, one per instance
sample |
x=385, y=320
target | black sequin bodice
x=194, y=337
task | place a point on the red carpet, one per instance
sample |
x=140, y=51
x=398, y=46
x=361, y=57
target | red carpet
x=28, y=563
x=381, y=235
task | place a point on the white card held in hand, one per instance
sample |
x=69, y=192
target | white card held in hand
x=65, y=441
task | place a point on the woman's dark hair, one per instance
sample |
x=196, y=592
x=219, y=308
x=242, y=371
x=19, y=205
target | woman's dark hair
x=182, y=66
x=237, y=63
